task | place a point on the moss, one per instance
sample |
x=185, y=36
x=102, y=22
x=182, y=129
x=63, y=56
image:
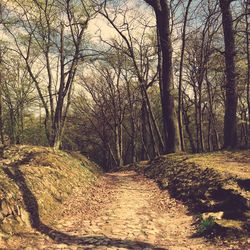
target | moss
x=51, y=176
x=237, y=224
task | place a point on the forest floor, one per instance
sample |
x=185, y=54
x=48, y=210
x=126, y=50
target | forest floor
x=123, y=211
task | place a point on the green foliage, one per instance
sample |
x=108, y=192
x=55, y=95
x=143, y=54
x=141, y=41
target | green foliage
x=34, y=126
x=206, y=226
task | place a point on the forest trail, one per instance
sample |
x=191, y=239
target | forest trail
x=124, y=211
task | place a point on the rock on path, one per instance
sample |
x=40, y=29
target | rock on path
x=125, y=211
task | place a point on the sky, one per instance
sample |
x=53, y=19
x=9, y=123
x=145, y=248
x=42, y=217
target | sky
x=100, y=24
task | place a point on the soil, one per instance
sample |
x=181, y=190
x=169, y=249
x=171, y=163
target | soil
x=123, y=211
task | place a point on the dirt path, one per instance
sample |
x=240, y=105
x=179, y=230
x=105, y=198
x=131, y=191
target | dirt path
x=125, y=211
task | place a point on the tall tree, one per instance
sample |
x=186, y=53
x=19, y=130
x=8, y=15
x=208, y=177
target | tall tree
x=52, y=41
x=162, y=12
x=247, y=12
x=230, y=119
x=1, y=95
x=181, y=74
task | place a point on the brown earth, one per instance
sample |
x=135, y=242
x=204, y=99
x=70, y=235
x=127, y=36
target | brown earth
x=124, y=211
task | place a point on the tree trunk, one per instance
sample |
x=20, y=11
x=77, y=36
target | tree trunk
x=118, y=144
x=200, y=118
x=146, y=104
x=247, y=9
x=1, y=112
x=120, y=139
x=171, y=135
x=1, y=117
x=12, y=126
x=230, y=119
x=156, y=128
x=180, y=77
x=187, y=122
x=132, y=122
x=1, y=102
x=196, y=120
x=211, y=114
x=144, y=133
x=209, y=134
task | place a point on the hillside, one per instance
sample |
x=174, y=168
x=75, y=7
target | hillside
x=35, y=181
x=212, y=184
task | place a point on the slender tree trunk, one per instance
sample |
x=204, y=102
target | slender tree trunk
x=118, y=143
x=152, y=137
x=155, y=149
x=120, y=139
x=211, y=114
x=12, y=126
x=180, y=99
x=144, y=133
x=196, y=120
x=1, y=117
x=200, y=119
x=133, y=138
x=105, y=150
x=1, y=101
x=186, y=123
x=209, y=134
x=112, y=156
x=154, y=124
x=243, y=128
x=1, y=112
x=57, y=125
x=230, y=119
x=133, y=142
x=132, y=124
x=247, y=10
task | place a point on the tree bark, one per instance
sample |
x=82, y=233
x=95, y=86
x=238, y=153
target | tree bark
x=171, y=135
x=247, y=10
x=211, y=114
x=230, y=119
x=186, y=123
x=118, y=144
x=144, y=133
x=1, y=104
x=180, y=76
x=132, y=122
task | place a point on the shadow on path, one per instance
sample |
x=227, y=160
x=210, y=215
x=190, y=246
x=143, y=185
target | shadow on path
x=13, y=172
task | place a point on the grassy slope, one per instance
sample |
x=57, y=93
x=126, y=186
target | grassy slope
x=46, y=175
x=235, y=163
x=209, y=182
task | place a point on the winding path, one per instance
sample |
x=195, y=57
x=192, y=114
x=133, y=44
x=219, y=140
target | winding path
x=124, y=211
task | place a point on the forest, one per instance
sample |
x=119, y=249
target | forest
x=125, y=124
x=124, y=81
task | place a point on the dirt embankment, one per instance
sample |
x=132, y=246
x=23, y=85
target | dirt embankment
x=214, y=185
x=34, y=182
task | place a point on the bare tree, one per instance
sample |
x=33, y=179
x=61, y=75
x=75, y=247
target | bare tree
x=53, y=44
x=140, y=53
